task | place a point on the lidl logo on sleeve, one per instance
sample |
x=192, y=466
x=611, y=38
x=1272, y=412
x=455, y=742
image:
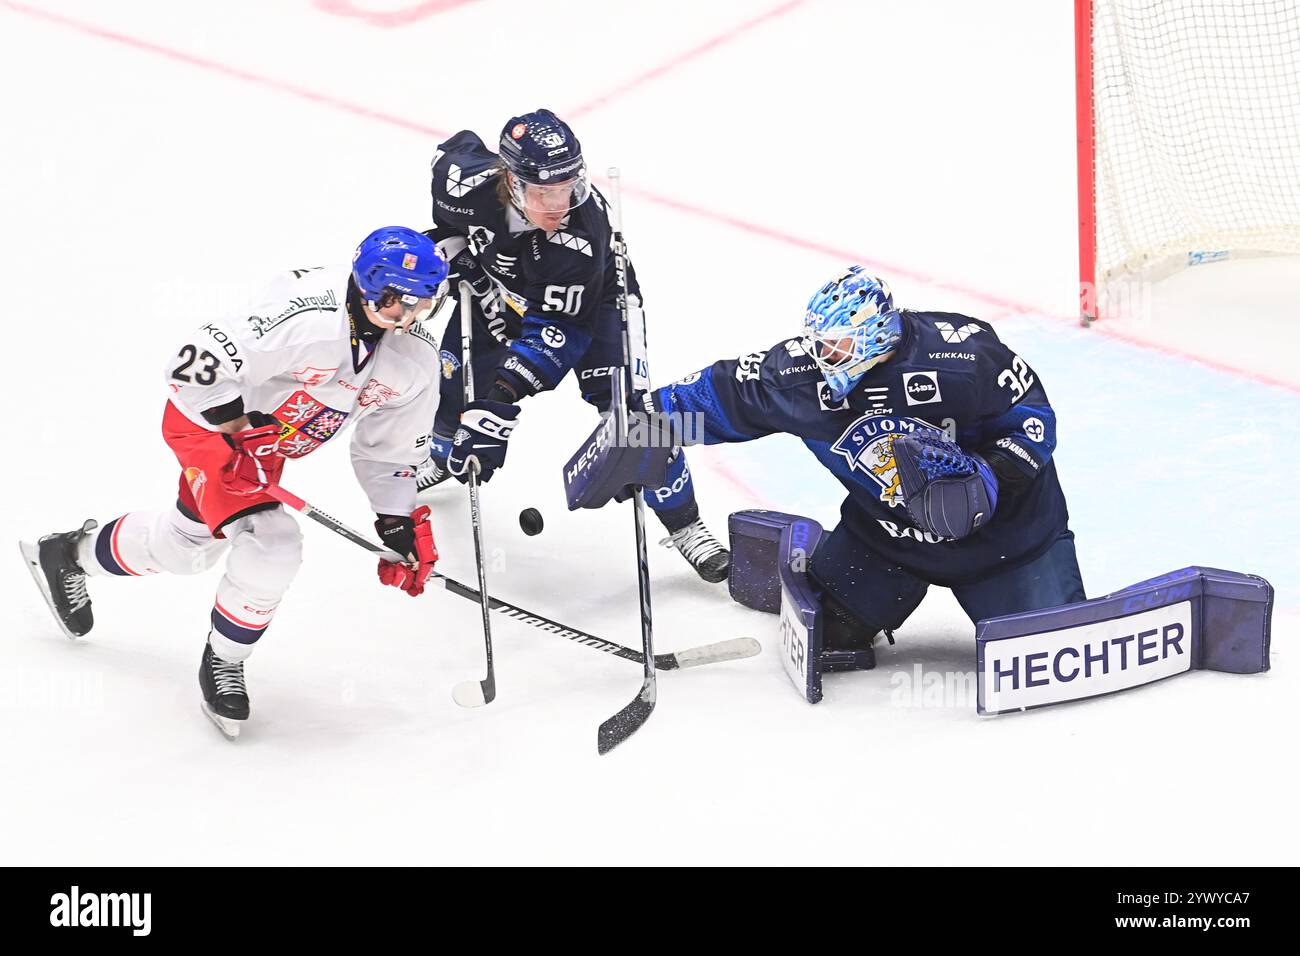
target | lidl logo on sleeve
x=921, y=388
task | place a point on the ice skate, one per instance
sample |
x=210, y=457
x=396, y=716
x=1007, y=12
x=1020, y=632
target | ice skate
x=702, y=551
x=225, y=695
x=53, y=564
x=431, y=473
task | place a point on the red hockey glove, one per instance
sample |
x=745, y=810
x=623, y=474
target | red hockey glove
x=256, y=461
x=412, y=537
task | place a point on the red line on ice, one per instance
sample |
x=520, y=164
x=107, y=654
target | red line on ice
x=685, y=57
x=388, y=18
x=843, y=255
x=1102, y=328
x=223, y=69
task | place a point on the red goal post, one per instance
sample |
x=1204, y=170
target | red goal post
x=1188, y=121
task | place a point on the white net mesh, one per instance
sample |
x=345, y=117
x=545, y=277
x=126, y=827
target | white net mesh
x=1197, y=131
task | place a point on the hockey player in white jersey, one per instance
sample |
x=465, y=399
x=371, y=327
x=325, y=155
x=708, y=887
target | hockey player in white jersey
x=321, y=349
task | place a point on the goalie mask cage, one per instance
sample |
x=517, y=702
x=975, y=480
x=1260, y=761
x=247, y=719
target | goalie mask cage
x=1188, y=117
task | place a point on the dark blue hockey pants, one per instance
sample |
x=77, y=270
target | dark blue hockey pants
x=883, y=595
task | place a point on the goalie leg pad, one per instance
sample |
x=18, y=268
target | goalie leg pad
x=755, y=540
x=772, y=554
x=1194, y=618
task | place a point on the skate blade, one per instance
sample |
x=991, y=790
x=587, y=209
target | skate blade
x=32, y=556
x=229, y=728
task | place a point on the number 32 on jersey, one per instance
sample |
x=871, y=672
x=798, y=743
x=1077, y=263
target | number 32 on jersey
x=1018, y=378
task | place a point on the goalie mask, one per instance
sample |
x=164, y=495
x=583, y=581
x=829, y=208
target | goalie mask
x=851, y=324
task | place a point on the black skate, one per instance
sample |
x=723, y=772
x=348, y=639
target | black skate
x=703, y=551
x=847, y=643
x=53, y=563
x=432, y=471
x=225, y=695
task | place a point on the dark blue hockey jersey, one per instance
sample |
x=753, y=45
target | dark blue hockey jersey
x=950, y=372
x=554, y=284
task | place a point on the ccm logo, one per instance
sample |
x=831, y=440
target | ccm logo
x=491, y=425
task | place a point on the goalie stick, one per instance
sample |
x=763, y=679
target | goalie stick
x=731, y=650
x=629, y=720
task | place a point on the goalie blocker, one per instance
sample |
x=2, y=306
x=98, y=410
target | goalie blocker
x=1195, y=618
x=602, y=469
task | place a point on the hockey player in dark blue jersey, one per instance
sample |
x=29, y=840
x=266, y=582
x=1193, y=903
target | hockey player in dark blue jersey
x=943, y=438
x=531, y=234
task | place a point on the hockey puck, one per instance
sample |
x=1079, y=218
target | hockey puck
x=530, y=519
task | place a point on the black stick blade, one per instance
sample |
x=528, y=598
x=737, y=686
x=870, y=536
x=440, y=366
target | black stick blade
x=627, y=721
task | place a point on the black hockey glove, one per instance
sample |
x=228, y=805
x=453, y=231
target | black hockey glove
x=482, y=439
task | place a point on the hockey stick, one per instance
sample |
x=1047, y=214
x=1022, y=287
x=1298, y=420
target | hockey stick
x=471, y=693
x=628, y=721
x=735, y=649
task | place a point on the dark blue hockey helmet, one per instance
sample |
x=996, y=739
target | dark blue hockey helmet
x=544, y=159
x=402, y=262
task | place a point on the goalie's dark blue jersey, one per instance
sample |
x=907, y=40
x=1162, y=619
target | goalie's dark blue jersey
x=950, y=372
x=554, y=284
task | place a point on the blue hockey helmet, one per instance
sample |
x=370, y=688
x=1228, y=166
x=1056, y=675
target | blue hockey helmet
x=540, y=151
x=851, y=324
x=399, y=261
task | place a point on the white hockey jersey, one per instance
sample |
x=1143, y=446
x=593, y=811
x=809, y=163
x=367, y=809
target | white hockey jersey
x=292, y=355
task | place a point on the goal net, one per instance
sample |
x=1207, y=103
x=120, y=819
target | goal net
x=1189, y=135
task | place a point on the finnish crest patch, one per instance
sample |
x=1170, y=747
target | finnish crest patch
x=449, y=363
x=868, y=446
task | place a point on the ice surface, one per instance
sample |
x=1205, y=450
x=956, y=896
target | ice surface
x=163, y=159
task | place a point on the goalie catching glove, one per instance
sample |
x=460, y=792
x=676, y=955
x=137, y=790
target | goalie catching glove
x=412, y=537
x=947, y=491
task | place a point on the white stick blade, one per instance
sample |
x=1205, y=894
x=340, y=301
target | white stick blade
x=722, y=651
x=468, y=693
